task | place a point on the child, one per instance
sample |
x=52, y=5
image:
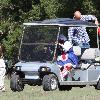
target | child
x=67, y=59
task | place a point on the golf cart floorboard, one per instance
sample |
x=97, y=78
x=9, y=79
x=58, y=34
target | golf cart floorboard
x=78, y=82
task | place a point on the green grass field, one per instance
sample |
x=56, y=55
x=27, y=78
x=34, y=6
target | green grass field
x=37, y=93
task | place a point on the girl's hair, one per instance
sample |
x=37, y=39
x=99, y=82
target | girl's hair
x=61, y=41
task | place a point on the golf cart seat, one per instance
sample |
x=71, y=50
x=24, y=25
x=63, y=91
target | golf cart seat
x=86, y=57
x=90, y=54
x=87, y=54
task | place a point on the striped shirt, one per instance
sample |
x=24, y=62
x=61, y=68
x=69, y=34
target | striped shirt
x=88, y=17
x=79, y=34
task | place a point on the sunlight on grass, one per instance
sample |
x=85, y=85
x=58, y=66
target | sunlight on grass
x=37, y=93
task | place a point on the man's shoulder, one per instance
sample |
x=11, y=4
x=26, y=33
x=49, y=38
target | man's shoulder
x=88, y=17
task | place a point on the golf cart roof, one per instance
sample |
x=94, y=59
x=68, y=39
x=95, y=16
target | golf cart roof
x=62, y=22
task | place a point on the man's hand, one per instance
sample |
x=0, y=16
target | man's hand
x=96, y=22
x=98, y=30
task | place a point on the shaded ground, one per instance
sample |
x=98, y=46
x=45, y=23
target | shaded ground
x=37, y=93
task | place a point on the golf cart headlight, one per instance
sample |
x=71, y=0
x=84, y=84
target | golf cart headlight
x=44, y=69
x=18, y=67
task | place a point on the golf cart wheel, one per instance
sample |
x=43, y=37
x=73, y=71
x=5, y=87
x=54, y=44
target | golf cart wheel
x=50, y=82
x=16, y=83
x=98, y=85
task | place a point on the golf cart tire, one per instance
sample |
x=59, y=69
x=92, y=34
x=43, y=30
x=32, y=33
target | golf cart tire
x=98, y=85
x=50, y=82
x=16, y=83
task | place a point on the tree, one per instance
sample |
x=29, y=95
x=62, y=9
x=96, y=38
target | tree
x=14, y=12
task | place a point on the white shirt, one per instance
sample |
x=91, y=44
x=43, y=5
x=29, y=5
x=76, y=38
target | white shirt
x=2, y=63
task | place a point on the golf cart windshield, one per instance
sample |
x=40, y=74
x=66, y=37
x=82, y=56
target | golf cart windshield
x=38, y=43
x=39, y=38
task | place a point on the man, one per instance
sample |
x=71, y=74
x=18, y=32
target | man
x=78, y=35
x=78, y=16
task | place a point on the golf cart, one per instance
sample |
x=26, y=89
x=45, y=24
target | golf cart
x=38, y=57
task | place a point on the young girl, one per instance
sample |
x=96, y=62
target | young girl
x=67, y=59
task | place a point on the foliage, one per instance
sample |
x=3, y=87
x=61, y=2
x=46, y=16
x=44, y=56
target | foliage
x=89, y=7
x=12, y=41
x=37, y=93
x=14, y=12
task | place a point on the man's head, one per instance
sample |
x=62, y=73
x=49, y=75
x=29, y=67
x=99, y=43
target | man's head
x=77, y=15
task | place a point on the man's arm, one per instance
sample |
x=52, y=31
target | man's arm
x=89, y=18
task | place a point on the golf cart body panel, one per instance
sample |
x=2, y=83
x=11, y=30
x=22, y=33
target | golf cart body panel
x=89, y=75
x=31, y=69
x=37, y=60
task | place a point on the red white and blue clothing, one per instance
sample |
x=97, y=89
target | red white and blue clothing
x=67, y=59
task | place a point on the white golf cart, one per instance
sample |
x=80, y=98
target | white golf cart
x=38, y=54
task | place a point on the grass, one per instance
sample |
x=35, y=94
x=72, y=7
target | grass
x=37, y=93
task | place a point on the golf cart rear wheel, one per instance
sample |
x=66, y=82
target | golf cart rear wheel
x=98, y=85
x=16, y=83
x=50, y=82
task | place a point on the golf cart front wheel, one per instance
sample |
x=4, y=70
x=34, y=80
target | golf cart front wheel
x=50, y=82
x=16, y=83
